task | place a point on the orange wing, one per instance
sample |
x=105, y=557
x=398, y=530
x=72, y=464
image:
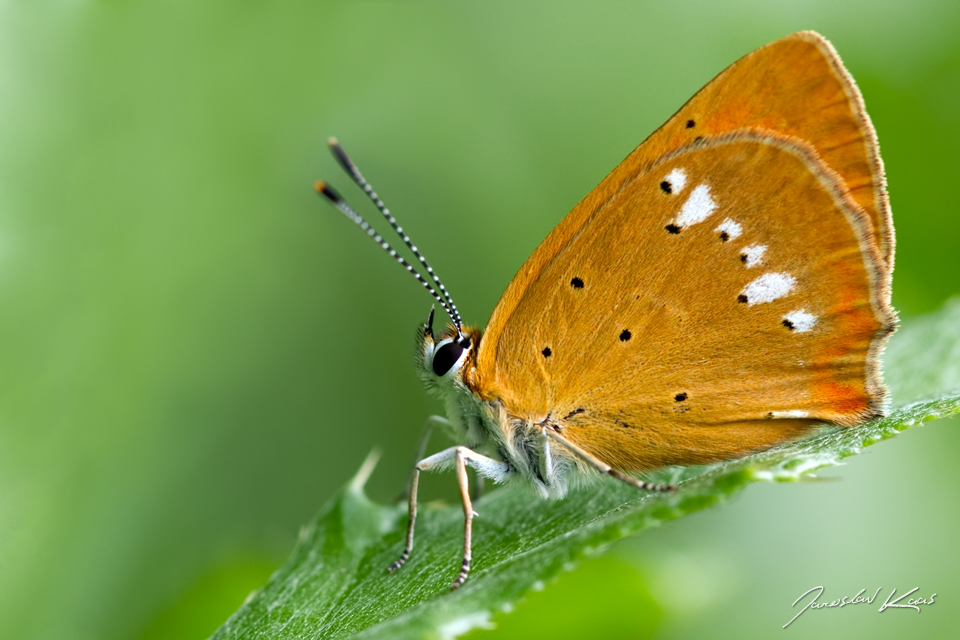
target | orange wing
x=712, y=280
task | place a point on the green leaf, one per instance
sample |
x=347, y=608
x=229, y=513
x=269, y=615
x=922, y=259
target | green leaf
x=335, y=585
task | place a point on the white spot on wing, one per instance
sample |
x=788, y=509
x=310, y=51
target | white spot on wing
x=677, y=179
x=769, y=287
x=697, y=208
x=754, y=253
x=801, y=320
x=731, y=228
x=796, y=413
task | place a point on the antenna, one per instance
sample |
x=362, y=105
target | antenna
x=347, y=164
x=336, y=200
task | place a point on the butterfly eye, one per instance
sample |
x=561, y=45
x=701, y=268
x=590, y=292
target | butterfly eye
x=445, y=357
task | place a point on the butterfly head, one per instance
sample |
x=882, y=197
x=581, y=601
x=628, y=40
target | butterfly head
x=442, y=357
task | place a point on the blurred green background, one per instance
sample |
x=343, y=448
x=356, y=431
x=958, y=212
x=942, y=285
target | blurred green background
x=196, y=351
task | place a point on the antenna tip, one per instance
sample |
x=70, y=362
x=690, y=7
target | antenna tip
x=327, y=192
x=345, y=162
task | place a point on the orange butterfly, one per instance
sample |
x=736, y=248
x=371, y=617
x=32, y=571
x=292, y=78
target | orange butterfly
x=724, y=290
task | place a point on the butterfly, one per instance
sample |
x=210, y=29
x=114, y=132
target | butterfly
x=725, y=289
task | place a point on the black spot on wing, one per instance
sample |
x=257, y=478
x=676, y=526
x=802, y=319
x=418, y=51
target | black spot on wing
x=576, y=283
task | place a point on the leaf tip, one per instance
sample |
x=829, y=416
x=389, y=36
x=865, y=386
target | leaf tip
x=366, y=470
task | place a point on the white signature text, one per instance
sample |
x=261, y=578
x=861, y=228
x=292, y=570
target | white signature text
x=889, y=603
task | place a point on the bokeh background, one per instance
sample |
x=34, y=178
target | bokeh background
x=195, y=352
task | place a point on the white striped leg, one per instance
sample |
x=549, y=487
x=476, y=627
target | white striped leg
x=468, y=514
x=460, y=457
x=428, y=427
x=603, y=467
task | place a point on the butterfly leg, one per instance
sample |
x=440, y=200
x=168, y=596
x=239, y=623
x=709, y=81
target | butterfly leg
x=603, y=467
x=460, y=457
x=476, y=487
x=425, y=435
x=546, y=459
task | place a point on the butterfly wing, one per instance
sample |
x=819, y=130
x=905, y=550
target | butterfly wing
x=720, y=291
x=724, y=299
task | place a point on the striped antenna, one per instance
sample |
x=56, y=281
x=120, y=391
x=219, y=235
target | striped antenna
x=347, y=164
x=327, y=192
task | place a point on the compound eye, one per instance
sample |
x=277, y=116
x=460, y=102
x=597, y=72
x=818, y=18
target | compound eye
x=446, y=356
